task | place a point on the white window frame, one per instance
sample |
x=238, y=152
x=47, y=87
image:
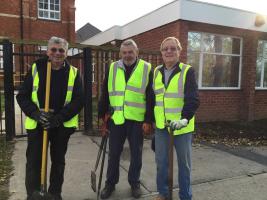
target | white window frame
x=201, y=55
x=1, y=57
x=49, y=11
x=261, y=87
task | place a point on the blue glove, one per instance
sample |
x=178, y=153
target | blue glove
x=178, y=124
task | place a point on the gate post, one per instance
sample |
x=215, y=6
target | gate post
x=9, y=90
x=87, y=78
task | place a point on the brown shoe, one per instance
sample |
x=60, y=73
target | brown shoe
x=159, y=197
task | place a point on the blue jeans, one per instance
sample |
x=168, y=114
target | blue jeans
x=183, y=146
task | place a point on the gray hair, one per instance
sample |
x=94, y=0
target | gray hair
x=58, y=40
x=129, y=42
x=179, y=46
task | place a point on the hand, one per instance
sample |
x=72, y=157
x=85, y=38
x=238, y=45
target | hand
x=104, y=126
x=53, y=122
x=41, y=117
x=178, y=124
x=147, y=128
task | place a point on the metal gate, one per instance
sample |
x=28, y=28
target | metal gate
x=92, y=62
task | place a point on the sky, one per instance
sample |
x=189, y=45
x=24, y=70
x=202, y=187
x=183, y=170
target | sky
x=104, y=14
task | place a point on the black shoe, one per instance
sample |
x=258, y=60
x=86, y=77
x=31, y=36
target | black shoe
x=107, y=191
x=136, y=191
x=55, y=197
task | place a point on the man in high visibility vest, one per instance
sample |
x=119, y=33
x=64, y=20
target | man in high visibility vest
x=176, y=100
x=66, y=101
x=127, y=90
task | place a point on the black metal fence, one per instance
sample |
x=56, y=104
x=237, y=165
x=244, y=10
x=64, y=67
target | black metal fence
x=92, y=62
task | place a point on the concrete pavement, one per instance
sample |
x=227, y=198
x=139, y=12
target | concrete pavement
x=219, y=173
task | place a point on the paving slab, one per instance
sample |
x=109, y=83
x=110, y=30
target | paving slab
x=218, y=174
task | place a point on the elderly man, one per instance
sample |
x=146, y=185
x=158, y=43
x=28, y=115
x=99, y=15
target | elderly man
x=127, y=89
x=176, y=98
x=66, y=101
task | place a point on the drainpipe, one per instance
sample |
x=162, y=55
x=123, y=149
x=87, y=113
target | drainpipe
x=21, y=38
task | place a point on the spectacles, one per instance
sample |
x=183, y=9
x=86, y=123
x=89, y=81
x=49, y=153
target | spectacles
x=172, y=49
x=60, y=50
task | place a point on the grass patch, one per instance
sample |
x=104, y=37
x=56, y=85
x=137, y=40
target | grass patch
x=6, y=150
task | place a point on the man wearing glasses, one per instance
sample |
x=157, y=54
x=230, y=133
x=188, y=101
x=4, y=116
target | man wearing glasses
x=60, y=122
x=177, y=100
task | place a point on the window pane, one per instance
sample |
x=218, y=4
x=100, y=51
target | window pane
x=52, y=7
x=193, y=60
x=258, y=72
x=45, y=6
x=41, y=13
x=220, y=71
x=56, y=15
x=265, y=75
x=52, y=1
x=208, y=43
x=41, y=5
x=41, y=1
x=52, y=15
x=265, y=50
x=56, y=1
x=260, y=49
x=57, y=7
x=46, y=14
x=194, y=41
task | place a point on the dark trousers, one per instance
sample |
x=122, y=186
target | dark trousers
x=58, y=139
x=131, y=130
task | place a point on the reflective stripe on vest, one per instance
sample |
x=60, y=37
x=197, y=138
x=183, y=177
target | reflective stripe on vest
x=170, y=101
x=32, y=124
x=73, y=122
x=128, y=99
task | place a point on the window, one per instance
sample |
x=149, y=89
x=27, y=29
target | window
x=49, y=9
x=261, y=65
x=216, y=60
x=1, y=57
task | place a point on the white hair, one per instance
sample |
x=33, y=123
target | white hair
x=58, y=40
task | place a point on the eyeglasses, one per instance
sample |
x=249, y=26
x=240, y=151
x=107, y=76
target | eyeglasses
x=60, y=50
x=172, y=49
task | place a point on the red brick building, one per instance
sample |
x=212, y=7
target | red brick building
x=37, y=19
x=34, y=20
x=226, y=46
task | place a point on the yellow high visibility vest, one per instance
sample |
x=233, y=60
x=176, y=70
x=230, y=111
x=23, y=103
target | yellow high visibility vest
x=73, y=122
x=169, y=101
x=128, y=100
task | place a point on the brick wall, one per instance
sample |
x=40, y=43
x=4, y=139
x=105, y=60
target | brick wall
x=218, y=105
x=34, y=28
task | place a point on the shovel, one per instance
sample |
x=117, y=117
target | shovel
x=102, y=166
x=170, y=155
x=93, y=172
x=42, y=194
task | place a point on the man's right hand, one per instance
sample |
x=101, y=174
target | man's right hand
x=104, y=126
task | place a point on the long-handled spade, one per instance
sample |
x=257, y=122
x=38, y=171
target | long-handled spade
x=93, y=173
x=42, y=194
x=102, y=166
x=170, y=169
